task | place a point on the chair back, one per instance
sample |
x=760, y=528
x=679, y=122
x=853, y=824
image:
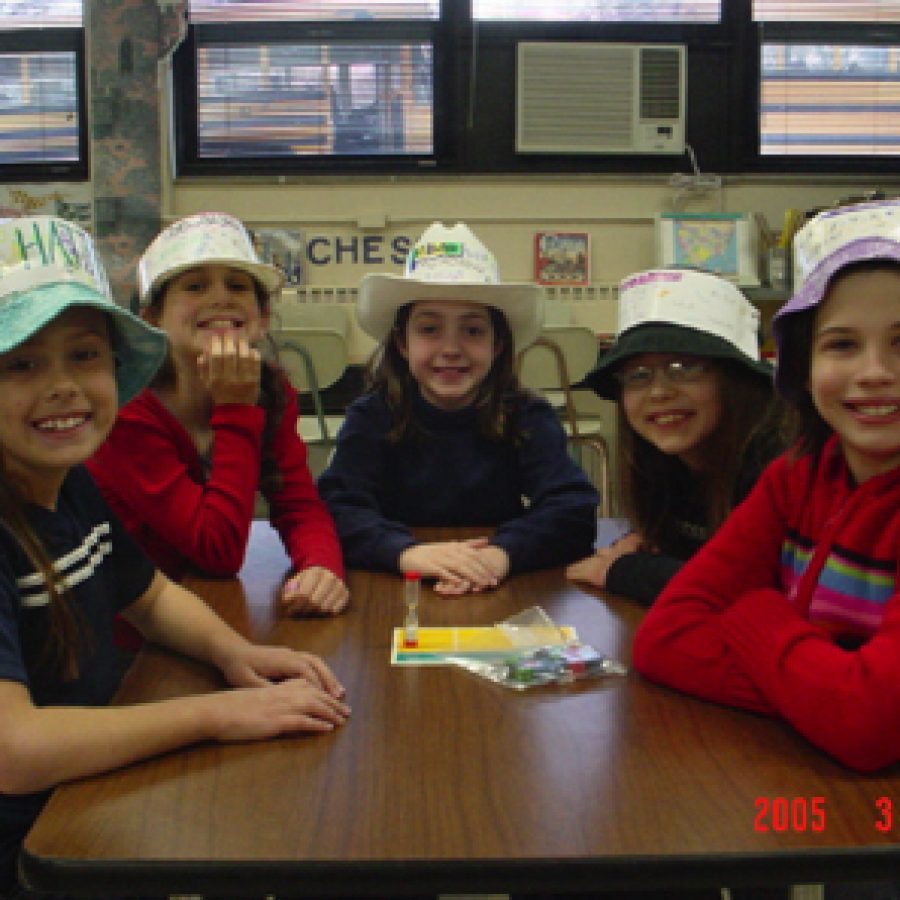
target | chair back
x=539, y=366
x=311, y=345
x=559, y=358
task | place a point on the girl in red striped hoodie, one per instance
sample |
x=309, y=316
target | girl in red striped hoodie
x=792, y=609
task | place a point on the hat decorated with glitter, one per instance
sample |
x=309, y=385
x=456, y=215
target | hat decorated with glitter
x=450, y=264
x=48, y=265
x=827, y=243
x=202, y=239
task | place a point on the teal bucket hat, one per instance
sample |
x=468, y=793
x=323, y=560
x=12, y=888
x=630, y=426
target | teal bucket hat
x=49, y=265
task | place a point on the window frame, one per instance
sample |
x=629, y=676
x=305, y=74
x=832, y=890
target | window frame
x=723, y=140
x=38, y=40
x=185, y=95
x=815, y=33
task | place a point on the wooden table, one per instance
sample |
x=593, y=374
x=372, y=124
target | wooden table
x=443, y=782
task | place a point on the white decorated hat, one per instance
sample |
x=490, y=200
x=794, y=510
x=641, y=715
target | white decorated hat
x=450, y=264
x=826, y=244
x=201, y=239
x=48, y=265
x=681, y=311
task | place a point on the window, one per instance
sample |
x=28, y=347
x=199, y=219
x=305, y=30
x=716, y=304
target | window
x=310, y=83
x=42, y=133
x=829, y=91
x=265, y=86
x=314, y=99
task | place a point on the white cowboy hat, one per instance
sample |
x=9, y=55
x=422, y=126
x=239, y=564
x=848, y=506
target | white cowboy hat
x=450, y=264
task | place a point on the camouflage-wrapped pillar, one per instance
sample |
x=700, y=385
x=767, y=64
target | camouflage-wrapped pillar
x=126, y=40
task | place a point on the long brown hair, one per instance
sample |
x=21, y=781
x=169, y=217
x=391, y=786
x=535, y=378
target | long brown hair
x=272, y=394
x=495, y=399
x=59, y=655
x=750, y=415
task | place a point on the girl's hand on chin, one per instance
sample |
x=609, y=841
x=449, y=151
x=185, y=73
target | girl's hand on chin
x=231, y=370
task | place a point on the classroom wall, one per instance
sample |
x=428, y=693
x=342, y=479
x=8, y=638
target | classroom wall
x=352, y=224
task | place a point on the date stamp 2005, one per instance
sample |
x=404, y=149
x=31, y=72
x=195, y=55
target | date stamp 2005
x=810, y=814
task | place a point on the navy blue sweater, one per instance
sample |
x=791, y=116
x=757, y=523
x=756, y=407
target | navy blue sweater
x=542, y=503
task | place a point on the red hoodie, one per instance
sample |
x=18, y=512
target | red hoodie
x=154, y=479
x=792, y=610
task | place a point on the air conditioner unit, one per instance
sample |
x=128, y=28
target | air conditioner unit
x=600, y=98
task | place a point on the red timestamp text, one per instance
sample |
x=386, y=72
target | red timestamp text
x=797, y=814
x=884, y=808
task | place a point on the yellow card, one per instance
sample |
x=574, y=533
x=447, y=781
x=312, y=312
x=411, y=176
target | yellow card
x=485, y=642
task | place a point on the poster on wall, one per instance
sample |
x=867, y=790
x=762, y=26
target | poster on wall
x=562, y=257
x=725, y=244
x=284, y=248
x=72, y=202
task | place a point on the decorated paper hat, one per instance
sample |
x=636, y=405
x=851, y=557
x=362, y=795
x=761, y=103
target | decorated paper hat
x=826, y=244
x=205, y=238
x=680, y=311
x=48, y=265
x=450, y=264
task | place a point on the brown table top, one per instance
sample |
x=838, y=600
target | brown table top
x=444, y=782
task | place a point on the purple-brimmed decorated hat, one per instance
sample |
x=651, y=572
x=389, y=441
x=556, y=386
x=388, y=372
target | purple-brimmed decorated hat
x=825, y=245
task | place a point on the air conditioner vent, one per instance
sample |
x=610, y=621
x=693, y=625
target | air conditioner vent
x=660, y=82
x=600, y=98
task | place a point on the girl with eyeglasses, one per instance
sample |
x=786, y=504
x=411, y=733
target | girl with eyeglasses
x=792, y=609
x=697, y=422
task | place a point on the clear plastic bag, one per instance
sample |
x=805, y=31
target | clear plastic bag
x=555, y=664
x=541, y=654
x=531, y=628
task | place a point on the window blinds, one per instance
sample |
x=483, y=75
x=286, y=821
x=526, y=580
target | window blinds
x=40, y=14
x=698, y=11
x=826, y=10
x=311, y=10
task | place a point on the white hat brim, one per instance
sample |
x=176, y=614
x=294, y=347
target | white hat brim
x=380, y=296
x=270, y=277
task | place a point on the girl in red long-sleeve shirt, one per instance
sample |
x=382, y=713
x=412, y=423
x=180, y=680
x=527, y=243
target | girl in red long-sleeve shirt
x=793, y=609
x=186, y=457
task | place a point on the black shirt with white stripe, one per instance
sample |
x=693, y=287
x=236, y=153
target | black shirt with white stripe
x=105, y=571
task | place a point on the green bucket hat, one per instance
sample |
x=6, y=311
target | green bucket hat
x=48, y=265
x=680, y=311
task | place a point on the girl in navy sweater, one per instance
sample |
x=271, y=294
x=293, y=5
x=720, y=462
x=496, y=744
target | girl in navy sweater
x=446, y=436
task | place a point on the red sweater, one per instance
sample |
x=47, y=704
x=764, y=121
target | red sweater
x=792, y=610
x=153, y=477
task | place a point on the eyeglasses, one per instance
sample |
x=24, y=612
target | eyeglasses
x=675, y=371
